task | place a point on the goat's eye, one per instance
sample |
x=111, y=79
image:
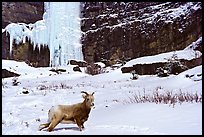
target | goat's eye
x=87, y=99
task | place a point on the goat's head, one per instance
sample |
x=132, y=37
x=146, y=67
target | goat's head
x=88, y=98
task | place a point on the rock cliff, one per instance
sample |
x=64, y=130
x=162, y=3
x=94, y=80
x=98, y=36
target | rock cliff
x=116, y=31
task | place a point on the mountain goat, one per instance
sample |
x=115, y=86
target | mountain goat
x=70, y=114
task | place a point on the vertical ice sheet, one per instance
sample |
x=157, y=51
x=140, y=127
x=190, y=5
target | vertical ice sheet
x=63, y=23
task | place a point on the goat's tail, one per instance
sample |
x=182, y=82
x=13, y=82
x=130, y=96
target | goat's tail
x=50, y=114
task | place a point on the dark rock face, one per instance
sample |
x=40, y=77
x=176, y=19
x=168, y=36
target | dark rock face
x=126, y=30
x=78, y=63
x=6, y=74
x=14, y=12
x=34, y=57
x=38, y=57
x=26, y=12
x=5, y=46
x=143, y=69
x=77, y=68
x=58, y=71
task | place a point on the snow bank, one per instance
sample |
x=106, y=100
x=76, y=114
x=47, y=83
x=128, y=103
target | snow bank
x=188, y=53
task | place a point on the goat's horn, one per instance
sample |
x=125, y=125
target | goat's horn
x=93, y=93
x=84, y=92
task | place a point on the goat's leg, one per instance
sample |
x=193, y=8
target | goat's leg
x=42, y=126
x=79, y=123
x=53, y=124
x=82, y=125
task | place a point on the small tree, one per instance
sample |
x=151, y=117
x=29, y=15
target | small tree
x=94, y=69
x=173, y=66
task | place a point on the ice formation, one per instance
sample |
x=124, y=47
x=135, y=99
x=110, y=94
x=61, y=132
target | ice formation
x=59, y=29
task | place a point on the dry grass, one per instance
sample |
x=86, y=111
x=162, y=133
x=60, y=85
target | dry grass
x=165, y=98
x=54, y=87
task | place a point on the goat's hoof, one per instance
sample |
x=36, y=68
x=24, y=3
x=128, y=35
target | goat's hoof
x=49, y=130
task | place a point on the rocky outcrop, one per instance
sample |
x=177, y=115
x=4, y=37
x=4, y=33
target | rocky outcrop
x=150, y=69
x=7, y=74
x=77, y=68
x=143, y=69
x=172, y=65
x=78, y=63
x=16, y=12
x=126, y=30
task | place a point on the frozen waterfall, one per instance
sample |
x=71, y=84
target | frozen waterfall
x=60, y=30
x=63, y=23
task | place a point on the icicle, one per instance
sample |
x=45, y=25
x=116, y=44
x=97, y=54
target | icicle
x=3, y=30
x=39, y=46
x=11, y=44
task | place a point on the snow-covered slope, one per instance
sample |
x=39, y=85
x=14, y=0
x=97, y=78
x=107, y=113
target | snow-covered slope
x=23, y=113
x=188, y=53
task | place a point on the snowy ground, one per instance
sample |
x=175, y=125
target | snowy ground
x=23, y=113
